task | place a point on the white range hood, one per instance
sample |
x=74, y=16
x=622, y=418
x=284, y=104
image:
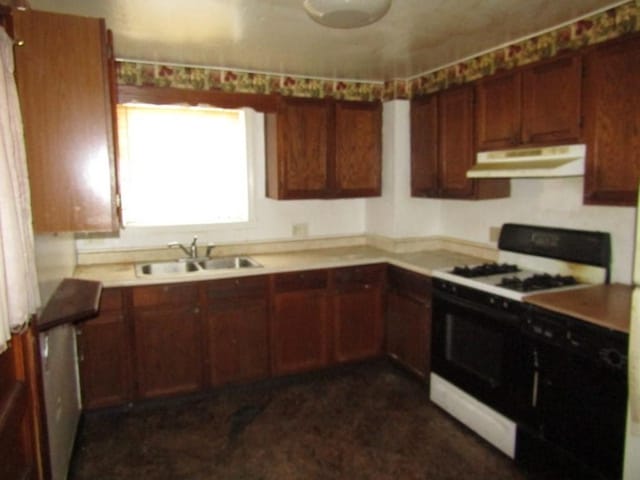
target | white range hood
x=558, y=161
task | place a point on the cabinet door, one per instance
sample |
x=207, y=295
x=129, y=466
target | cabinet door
x=455, y=136
x=297, y=149
x=63, y=82
x=299, y=332
x=168, y=340
x=237, y=330
x=299, y=323
x=104, y=355
x=551, y=96
x=424, y=147
x=612, y=123
x=357, y=312
x=358, y=149
x=408, y=333
x=498, y=111
x=358, y=328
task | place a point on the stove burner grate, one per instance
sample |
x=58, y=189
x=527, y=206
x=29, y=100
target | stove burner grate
x=540, y=281
x=484, y=270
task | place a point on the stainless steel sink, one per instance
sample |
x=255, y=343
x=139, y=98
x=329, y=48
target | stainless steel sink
x=229, y=262
x=167, y=268
x=191, y=266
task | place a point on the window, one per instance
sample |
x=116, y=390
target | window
x=182, y=165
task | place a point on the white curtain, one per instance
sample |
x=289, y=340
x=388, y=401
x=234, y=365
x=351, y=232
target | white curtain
x=19, y=296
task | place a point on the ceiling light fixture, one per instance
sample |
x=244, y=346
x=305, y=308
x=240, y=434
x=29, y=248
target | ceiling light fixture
x=346, y=13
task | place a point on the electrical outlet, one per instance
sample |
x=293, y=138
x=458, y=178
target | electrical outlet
x=494, y=233
x=300, y=229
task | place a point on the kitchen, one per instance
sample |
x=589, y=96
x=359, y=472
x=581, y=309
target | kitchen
x=393, y=215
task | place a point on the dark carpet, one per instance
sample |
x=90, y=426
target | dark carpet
x=367, y=421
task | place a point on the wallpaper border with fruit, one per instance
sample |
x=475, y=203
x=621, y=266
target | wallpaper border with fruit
x=612, y=23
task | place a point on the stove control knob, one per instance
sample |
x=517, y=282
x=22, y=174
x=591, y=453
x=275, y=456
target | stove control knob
x=492, y=300
x=505, y=305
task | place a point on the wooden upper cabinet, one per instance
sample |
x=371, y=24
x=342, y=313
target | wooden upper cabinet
x=455, y=139
x=297, y=149
x=498, y=111
x=63, y=81
x=358, y=147
x=612, y=123
x=424, y=147
x=323, y=149
x=442, y=148
x=535, y=105
x=552, y=103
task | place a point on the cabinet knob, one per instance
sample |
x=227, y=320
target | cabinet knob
x=196, y=310
x=18, y=43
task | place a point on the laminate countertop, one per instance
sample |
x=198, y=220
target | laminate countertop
x=123, y=274
x=605, y=305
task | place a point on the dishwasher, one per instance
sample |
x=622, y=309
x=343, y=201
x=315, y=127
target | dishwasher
x=573, y=394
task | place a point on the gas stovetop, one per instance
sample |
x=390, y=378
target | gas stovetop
x=507, y=280
x=534, y=259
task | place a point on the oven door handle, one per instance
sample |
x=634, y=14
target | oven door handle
x=512, y=319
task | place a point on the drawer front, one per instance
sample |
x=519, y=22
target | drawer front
x=111, y=300
x=409, y=283
x=241, y=287
x=173, y=294
x=306, y=280
x=369, y=275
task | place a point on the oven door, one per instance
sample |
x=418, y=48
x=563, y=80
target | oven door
x=475, y=347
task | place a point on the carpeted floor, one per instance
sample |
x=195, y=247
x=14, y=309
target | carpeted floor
x=367, y=421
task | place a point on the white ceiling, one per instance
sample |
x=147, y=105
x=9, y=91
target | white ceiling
x=277, y=36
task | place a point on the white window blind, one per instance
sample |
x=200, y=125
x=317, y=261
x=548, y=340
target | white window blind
x=182, y=165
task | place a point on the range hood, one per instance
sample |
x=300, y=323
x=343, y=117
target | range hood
x=558, y=161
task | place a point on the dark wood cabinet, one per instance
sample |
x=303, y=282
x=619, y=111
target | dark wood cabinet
x=536, y=105
x=408, y=320
x=358, y=329
x=442, y=148
x=63, y=81
x=105, y=354
x=299, y=322
x=323, y=149
x=168, y=339
x=612, y=123
x=237, y=329
x=358, y=149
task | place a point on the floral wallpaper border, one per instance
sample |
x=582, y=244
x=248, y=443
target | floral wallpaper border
x=609, y=24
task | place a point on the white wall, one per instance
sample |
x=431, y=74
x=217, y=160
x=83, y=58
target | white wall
x=55, y=260
x=549, y=202
x=272, y=220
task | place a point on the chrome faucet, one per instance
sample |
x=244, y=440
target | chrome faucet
x=192, y=251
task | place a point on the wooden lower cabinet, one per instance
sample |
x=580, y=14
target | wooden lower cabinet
x=168, y=339
x=237, y=330
x=299, y=322
x=104, y=355
x=408, y=320
x=358, y=329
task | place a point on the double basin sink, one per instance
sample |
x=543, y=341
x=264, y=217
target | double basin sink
x=195, y=265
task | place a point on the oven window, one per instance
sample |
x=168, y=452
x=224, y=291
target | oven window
x=473, y=348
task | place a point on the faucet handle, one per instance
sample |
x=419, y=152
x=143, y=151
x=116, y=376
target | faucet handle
x=210, y=247
x=194, y=241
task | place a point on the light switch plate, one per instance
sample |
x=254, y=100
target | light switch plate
x=494, y=234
